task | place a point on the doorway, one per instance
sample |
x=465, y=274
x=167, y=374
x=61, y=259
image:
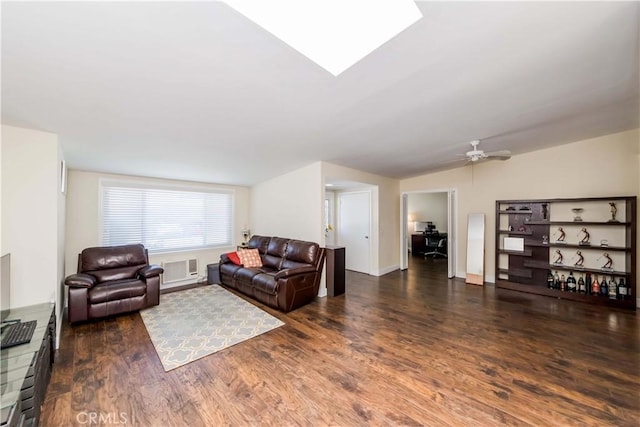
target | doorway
x=431, y=212
x=354, y=229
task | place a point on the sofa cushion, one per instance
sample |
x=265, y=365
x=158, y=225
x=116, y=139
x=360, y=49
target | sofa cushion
x=299, y=252
x=116, y=290
x=244, y=276
x=275, y=252
x=266, y=283
x=261, y=243
x=110, y=257
x=121, y=273
x=229, y=268
x=250, y=258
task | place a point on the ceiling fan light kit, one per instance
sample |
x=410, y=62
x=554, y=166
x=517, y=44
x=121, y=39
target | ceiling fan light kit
x=476, y=154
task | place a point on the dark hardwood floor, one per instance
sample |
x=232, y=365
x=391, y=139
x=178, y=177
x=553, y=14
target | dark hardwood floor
x=408, y=348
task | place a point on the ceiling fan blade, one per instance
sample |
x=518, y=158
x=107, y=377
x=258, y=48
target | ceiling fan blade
x=499, y=155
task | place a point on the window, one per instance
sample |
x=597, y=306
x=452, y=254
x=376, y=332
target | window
x=165, y=219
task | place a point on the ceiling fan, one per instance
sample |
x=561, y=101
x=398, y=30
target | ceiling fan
x=477, y=155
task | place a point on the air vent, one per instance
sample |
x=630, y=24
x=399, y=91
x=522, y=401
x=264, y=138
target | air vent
x=176, y=271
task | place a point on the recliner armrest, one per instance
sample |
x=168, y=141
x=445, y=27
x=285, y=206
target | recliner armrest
x=288, y=272
x=80, y=280
x=151, y=270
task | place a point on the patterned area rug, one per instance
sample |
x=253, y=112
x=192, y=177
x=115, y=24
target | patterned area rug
x=191, y=324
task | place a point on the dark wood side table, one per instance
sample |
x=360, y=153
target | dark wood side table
x=418, y=244
x=335, y=270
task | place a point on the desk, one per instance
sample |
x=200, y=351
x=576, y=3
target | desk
x=25, y=369
x=418, y=244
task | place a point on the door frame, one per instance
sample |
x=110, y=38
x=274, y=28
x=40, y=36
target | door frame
x=452, y=228
x=338, y=212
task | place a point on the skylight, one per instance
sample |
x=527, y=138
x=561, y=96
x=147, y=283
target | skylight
x=335, y=34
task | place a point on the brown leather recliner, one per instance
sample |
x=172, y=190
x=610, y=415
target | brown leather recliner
x=112, y=280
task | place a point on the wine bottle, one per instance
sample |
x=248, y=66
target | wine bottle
x=563, y=283
x=595, y=286
x=622, y=289
x=571, y=283
x=550, y=280
x=582, y=287
x=588, y=283
x=604, y=287
x=556, y=281
x=613, y=288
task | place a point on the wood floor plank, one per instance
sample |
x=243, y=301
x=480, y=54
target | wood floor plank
x=408, y=348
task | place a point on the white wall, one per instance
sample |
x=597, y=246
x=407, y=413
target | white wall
x=83, y=215
x=32, y=209
x=385, y=218
x=599, y=167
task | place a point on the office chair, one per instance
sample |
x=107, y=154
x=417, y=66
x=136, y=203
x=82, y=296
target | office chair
x=439, y=249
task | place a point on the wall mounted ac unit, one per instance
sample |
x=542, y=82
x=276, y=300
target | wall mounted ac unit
x=177, y=271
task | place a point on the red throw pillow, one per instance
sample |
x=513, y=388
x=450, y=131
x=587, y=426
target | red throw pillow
x=234, y=258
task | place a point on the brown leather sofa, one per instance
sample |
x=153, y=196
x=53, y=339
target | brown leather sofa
x=112, y=280
x=289, y=277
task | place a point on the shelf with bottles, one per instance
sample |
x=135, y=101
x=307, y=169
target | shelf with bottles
x=604, y=286
x=595, y=236
x=565, y=267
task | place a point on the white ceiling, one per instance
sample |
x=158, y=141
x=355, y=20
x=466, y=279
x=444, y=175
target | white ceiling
x=195, y=91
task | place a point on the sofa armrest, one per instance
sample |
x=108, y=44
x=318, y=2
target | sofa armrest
x=152, y=270
x=288, y=272
x=80, y=280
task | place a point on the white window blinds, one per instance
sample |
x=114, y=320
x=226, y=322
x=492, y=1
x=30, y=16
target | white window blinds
x=165, y=220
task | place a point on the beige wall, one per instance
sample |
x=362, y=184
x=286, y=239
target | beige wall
x=599, y=167
x=385, y=217
x=290, y=205
x=428, y=207
x=32, y=209
x=83, y=215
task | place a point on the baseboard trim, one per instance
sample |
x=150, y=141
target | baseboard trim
x=387, y=270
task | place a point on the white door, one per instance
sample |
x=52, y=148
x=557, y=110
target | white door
x=354, y=228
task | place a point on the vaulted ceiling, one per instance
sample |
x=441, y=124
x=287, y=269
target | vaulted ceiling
x=194, y=90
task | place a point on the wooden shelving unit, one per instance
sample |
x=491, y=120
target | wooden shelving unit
x=527, y=270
